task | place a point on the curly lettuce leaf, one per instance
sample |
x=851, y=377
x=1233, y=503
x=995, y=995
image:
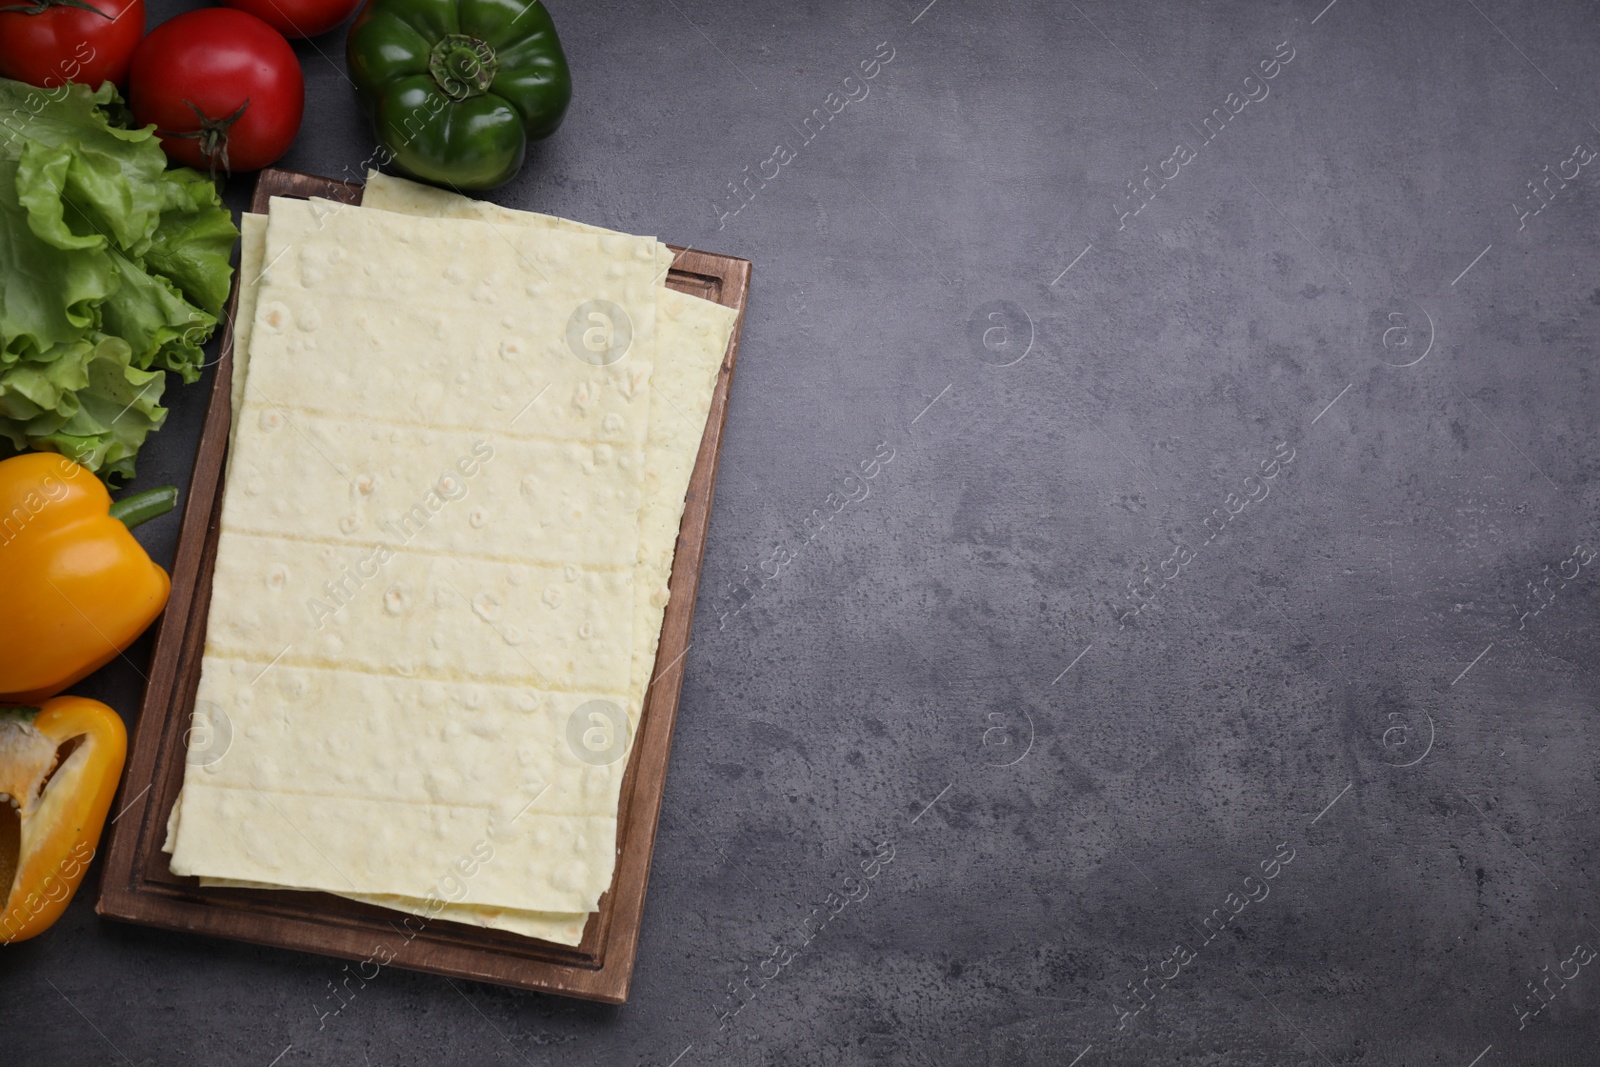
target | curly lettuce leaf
x=194, y=240
x=104, y=422
x=113, y=269
x=33, y=387
x=42, y=178
x=163, y=329
x=115, y=187
x=48, y=295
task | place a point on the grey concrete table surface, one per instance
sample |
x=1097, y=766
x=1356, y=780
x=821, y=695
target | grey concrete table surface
x=1150, y=606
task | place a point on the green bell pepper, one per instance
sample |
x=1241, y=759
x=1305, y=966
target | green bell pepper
x=457, y=88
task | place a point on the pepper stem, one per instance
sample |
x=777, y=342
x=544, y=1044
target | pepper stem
x=462, y=65
x=142, y=507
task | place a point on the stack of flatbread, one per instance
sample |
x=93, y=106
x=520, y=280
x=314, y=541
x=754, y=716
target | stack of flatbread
x=461, y=444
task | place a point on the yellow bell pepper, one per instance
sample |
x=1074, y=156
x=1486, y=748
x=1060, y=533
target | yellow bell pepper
x=59, y=767
x=78, y=589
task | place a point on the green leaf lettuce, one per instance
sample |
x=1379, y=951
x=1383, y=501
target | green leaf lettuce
x=113, y=270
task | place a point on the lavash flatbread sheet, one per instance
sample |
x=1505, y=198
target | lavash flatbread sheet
x=692, y=338
x=363, y=318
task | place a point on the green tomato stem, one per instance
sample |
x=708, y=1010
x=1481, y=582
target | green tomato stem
x=42, y=6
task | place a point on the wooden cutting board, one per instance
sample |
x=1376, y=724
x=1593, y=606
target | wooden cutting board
x=137, y=885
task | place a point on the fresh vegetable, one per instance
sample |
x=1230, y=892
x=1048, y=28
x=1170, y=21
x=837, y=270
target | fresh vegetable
x=298, y=18
x=223, y=89
x=47, y=42
x=78, y=587
x=59, y=767
x=457, y=88
x=112, y=269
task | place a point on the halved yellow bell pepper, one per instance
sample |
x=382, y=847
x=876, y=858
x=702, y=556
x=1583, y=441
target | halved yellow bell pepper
x=78, y=589
x=59, y=767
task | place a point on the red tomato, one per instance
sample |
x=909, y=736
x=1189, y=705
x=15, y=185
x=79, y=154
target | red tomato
x=48, y=42
x=223, y=89
x=298, y=18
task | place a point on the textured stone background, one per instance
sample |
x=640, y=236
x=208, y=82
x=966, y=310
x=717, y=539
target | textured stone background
x=1345, y=671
